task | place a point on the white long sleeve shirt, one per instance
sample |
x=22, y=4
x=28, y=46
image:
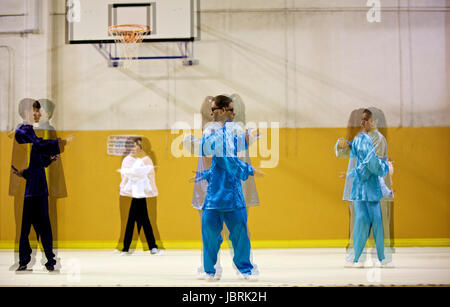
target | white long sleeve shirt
x=138, y=177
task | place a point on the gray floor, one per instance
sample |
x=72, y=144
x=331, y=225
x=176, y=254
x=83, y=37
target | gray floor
x=278, y=267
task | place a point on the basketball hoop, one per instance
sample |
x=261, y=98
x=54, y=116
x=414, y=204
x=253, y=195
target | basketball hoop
x=128, y=37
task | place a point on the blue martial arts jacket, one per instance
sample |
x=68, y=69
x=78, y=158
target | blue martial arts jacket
x=224, y=190
x=41, y=151
x=366, y=185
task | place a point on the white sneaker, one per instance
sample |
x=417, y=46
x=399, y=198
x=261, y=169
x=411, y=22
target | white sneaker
x=250, y=277
x=211, y=277
x=201, y=275
x=385, y=264
x=125, y=253
x=358, y=265
x=377, y=263
x=348, y=264
x=154, y=251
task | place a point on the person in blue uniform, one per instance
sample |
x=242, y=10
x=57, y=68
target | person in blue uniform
x=224, y=201
x=366, y=190
x=35, y=208
x=375, y=128
x=192, y=144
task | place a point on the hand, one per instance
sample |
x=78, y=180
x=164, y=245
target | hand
x=258, y=173
x=343, y=144
x=391, y=167
x=11, y=134
x=69, y=139
x=54, y=158
x=17, y=172
x=253, y=132
x=192, y=179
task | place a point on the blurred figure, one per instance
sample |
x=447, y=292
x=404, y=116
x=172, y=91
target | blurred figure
x=192, y=144
x=238, y=117
x=35, y=208
x=19, y=158
x=366, y=184
x=138, y=182
x=379, y=137
x=224, y=201
x=353, y=128
x=377, y=133
x=54, y=172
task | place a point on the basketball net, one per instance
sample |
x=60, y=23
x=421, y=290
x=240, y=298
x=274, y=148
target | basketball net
x=128, y=38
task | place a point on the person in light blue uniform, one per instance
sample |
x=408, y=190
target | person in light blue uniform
x=376, y=130
x=192, y=144
x=224, y=201
x=366, y=191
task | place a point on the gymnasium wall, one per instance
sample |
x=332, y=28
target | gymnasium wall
x=303, y=64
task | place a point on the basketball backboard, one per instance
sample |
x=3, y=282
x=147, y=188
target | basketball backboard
x=87, y=21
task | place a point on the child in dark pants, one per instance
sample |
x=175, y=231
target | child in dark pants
x=139, y=214
x=138, y=182
x=35, y=209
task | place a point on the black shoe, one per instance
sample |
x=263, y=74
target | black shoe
x=50, y=267
x=22, y=268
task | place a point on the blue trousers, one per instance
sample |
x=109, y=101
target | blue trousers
x=212, y=224
x=367, y=216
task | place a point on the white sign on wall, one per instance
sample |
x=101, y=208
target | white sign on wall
x=120, y=145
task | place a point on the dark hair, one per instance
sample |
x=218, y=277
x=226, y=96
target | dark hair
x=222, y=101
x=26, y=105
x=368, y=112
x=138, y=141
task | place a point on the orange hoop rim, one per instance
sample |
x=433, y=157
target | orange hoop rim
x=139, y=29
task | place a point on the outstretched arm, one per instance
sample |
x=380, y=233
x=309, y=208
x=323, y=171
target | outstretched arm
x=25, y=134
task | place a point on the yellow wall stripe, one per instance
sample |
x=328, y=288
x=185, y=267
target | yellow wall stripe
x=301, y=199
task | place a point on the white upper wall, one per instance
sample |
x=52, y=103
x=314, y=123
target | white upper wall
x=300, y=63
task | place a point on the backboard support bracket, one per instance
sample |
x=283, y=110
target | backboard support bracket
x=185, y=48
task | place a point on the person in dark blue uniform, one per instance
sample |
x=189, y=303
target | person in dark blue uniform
x=35, y=208
x=224, y=201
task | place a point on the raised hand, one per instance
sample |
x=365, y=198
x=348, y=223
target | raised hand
x=258, y=173
x=69, y=139
x=192, y=179
x=343, y=144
